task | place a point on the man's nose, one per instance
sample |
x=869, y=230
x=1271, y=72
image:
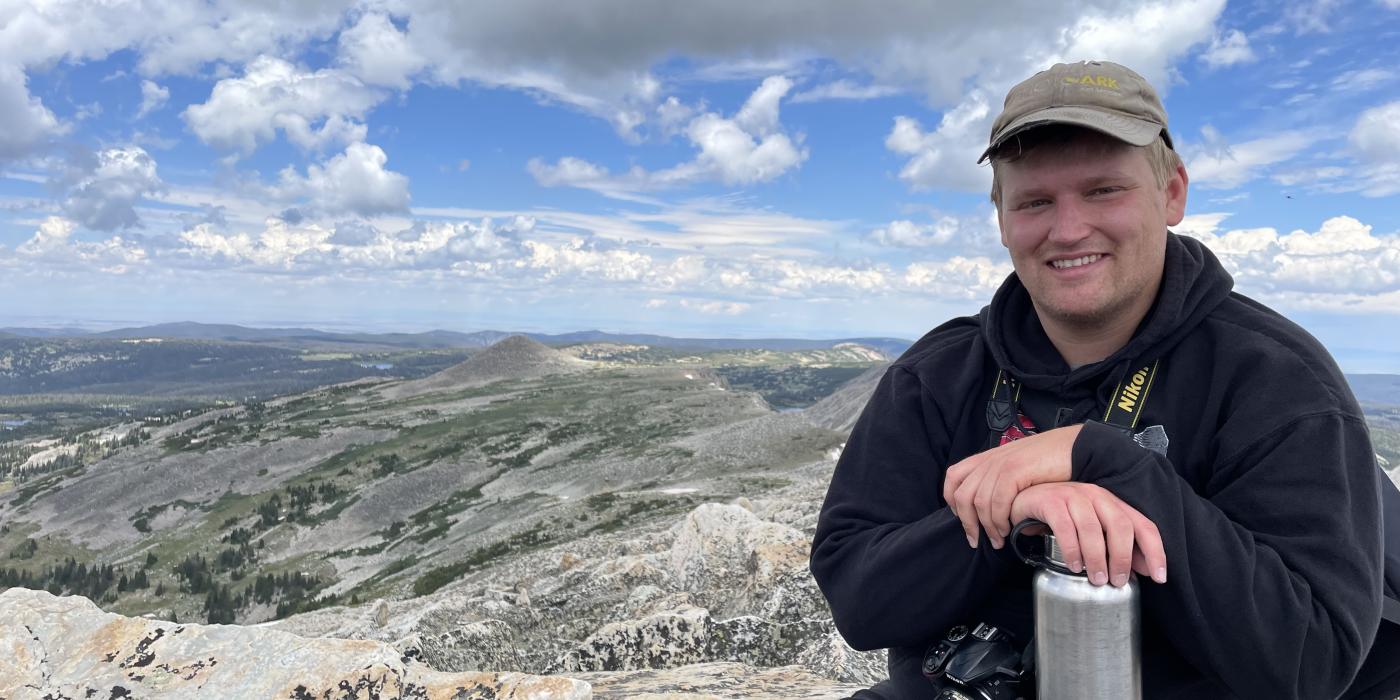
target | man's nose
x=1071, y=223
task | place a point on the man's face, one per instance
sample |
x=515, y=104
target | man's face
x=1086, y=226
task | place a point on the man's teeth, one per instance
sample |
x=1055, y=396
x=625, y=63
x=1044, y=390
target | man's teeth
x=1062, y=264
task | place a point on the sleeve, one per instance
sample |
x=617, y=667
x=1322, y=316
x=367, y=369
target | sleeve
x=1274, y=572
x=888, y=554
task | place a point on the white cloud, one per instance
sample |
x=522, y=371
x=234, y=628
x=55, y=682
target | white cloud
x=958, y=277
x=1228, y=49
x=25, y=123
x=53, y=244
x=1342, y=263
x=279, y=245
x=844, y=89
x=352, y=182
x=1215, y=165
x=748, y=148
x=314, y=109
x=1313, y=16
x=1376, y=134
x=947, y=156
x=105, y=196
x=724, y=308
x=970, y=234
x=376, y=52
x=1362, y=79
x=153, y=97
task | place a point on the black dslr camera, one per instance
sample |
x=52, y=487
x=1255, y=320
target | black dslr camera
x=983, y=664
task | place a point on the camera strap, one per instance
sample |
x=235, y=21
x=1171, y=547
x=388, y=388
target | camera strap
x=1124, y=407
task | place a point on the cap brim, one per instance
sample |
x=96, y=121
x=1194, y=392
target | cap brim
x=1138, y=132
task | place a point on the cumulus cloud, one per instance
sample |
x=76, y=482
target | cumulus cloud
x=947, y=156
x=104, y=197
x=958, y=277
x=966, y=233
x=1228, y=49
x=378, y=53
x=748, y=148
x=354, y=182
x=153, y=97
x=313, y=248
x=25, y=123
x=1343, y=259
x=53, y=244
x=314, y=109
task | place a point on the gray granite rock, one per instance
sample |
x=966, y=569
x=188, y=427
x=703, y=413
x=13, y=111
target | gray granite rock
x=65, y=647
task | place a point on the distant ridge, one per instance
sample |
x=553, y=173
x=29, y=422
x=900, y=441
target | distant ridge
x=440, y=339
x=515, y=357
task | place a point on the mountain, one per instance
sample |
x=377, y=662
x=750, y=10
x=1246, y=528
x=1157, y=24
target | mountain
x=516, y=357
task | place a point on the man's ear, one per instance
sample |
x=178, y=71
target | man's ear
x=1176, y=196
x=1001, y=226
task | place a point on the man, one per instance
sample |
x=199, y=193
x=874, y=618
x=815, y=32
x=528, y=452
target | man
x=1246, y=497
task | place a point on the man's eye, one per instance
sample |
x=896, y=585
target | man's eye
x=1105, y=190
x=1031, y=204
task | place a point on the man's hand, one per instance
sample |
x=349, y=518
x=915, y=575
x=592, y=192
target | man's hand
x=1097, y=532
x=981, y=488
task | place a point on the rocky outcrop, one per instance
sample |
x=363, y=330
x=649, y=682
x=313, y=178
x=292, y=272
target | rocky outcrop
x=65, y=647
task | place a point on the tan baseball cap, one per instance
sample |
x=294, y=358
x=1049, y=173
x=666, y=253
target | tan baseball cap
x=1097, y=95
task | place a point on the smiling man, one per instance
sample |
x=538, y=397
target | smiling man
x=1117, y=389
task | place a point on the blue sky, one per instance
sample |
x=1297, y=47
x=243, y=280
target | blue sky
x=723, y=168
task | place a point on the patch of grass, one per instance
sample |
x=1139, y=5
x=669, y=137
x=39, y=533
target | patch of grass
x=533, y=538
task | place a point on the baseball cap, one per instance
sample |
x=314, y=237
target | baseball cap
x=1098, y=95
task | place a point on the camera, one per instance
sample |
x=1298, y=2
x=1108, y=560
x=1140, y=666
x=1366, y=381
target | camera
x=980, y=664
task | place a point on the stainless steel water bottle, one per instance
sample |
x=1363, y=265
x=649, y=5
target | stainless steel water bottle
x=1087, y=637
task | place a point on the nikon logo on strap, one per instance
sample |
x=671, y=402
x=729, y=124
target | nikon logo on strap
x=1130, y=396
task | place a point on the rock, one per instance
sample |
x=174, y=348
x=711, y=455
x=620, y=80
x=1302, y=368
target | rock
x=381, y=613
x=665, y=640
x=568, y=561
x=717, y=680
x=67, y=647
x=479, y=646
x=727, y=557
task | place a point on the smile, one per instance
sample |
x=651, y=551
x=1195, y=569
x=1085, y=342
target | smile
x=1075, y=262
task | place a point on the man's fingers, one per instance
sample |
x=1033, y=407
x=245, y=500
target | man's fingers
x=1118, y=534
x=1091, y=540
x=1057, y=516
x=1149, y=543
x=955, y=476
x=1003, y=496
x=964, y=507
x=984, y=502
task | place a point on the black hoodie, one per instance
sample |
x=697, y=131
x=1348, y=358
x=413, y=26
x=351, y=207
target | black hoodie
x=1268, y=500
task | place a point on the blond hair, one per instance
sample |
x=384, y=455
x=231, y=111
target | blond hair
x=1160, y=157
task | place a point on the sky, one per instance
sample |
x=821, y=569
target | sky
x=724, y=168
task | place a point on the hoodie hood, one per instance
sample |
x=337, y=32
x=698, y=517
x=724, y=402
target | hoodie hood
x=1193, y=284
